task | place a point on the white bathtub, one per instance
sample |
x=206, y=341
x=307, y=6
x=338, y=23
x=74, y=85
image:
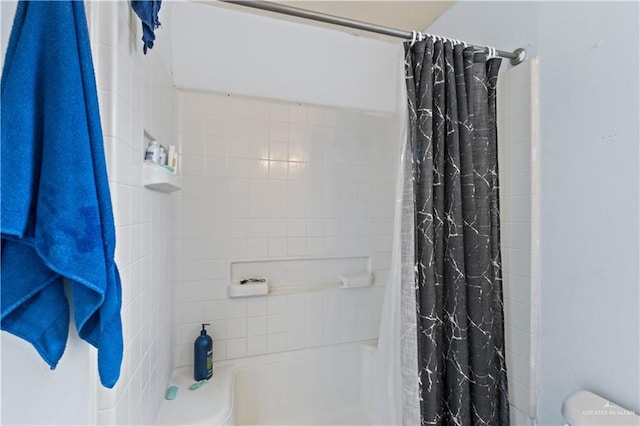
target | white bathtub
x=328, y=385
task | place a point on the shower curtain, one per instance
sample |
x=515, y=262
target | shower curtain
x=441, y=344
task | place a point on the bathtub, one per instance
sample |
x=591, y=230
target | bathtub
x=327, y=385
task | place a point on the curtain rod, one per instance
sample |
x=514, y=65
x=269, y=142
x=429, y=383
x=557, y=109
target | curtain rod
x=516, y=57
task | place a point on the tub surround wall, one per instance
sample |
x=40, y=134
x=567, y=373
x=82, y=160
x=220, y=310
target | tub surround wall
x=264, y=179
x=135, y=93
x=518, y=150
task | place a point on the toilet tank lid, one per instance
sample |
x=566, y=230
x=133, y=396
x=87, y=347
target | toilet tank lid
x=586, y=408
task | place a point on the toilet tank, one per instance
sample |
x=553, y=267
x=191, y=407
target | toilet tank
x=585, y=408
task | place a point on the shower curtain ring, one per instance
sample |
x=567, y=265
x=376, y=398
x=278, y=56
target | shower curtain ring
x=413, y=37
x=489, y=52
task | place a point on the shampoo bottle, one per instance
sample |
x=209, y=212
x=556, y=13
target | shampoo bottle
x=152, y=153
x=203, y=356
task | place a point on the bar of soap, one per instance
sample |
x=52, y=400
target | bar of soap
x=171, y=393
x=196, y=385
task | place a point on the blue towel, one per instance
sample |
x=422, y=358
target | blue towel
x=147, y=11
x=57, y=221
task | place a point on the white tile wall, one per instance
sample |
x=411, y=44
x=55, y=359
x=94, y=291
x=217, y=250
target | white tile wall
x=135, y=94
x=265, y=179
x=517, y=131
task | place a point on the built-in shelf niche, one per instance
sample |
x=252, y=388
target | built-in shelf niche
x=156, y=177
x=300, y=275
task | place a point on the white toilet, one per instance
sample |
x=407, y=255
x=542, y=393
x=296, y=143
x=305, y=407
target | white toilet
x=584, y=408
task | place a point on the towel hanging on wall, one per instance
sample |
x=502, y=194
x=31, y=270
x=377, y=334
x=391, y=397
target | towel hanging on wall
x=147, y=11
x=57, y=220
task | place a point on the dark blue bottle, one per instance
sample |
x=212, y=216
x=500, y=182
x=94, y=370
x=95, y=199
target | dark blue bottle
x=203, y=356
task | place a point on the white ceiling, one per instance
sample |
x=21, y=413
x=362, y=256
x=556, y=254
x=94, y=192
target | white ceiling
x=398, y=14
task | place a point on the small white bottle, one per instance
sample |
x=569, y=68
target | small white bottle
x=172, y=158
x=162, y=159
x=152, y=153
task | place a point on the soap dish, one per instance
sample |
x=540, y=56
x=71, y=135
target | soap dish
x=249, y=288
x=360, y=279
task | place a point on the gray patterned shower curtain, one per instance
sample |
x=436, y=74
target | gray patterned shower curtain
x=452, y=143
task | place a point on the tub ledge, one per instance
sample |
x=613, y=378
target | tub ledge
x=211, y=404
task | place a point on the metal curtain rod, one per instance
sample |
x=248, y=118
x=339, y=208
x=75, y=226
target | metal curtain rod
x=516, y=57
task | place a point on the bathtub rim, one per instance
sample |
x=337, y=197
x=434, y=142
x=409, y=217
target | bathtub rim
x=265, y=359
x=224, y=386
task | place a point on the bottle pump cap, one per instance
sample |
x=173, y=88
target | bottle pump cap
x=204, y=332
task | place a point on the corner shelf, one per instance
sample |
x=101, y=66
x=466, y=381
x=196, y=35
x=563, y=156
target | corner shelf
x=160, y=179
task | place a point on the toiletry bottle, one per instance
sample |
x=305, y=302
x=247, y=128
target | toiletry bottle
x=203, y=356
x=174, y=161
x=171, y=161
x=162, y=159
x=152, y=153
